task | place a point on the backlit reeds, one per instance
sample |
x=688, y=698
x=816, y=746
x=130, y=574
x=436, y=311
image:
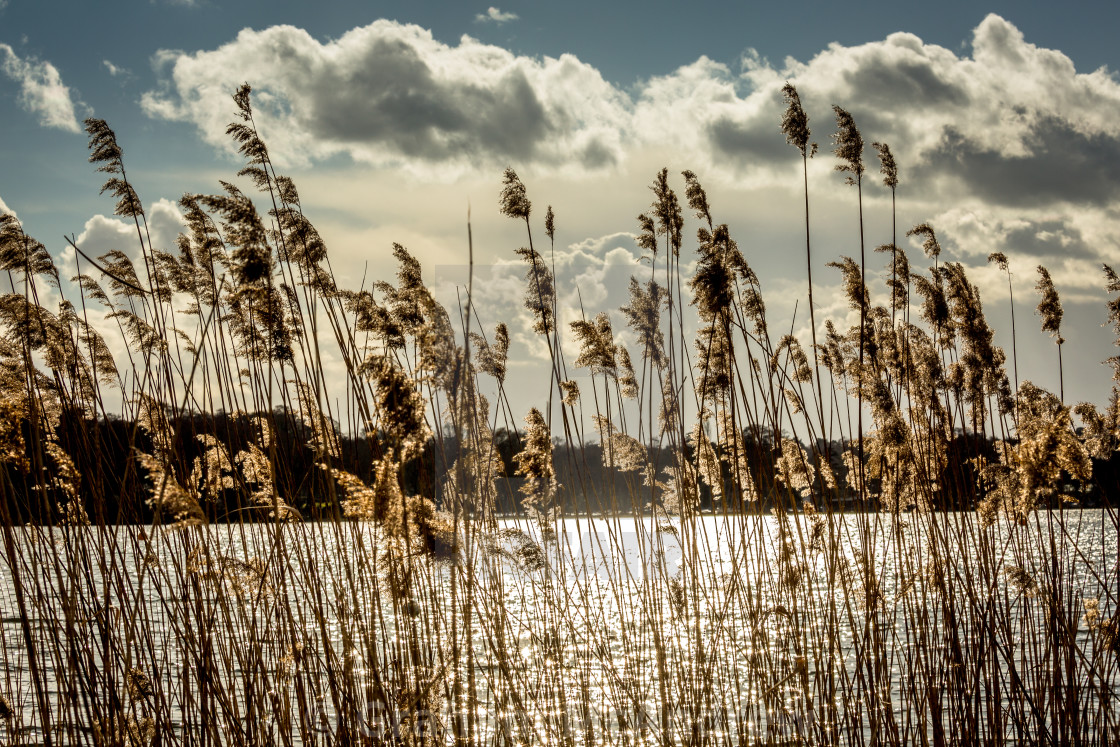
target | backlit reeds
x=718, y=535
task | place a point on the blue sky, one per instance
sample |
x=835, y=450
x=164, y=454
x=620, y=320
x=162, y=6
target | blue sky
x=394, y=117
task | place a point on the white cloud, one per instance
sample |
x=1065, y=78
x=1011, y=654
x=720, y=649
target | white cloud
x=116, y=71
x=1001, y=145
x=591, y=275
x=103, y=233
x=4, y=209
x=390, y=94
x=41, y=89
x=495, y=15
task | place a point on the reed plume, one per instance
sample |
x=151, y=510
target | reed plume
x=330, y=541
x=849, y=149
x=1050, y=309
x=795, y=126
x=889, y=169
x=1001, y=261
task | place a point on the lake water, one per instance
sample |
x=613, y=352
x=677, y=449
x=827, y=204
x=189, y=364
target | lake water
x=722, y=630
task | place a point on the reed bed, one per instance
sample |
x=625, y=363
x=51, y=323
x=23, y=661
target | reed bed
x=287, y=557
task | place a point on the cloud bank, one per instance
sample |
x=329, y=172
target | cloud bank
x=103, y=233
x=591, y=275
x=1003, y=145
x=389, y=93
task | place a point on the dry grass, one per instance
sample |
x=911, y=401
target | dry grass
x=725, y=597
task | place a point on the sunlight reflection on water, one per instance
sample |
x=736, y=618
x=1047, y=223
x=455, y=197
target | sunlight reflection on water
x=649, y=627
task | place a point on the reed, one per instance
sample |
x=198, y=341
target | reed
x=732, y=557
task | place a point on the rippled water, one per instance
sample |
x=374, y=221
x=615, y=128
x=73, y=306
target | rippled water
x=724, y=630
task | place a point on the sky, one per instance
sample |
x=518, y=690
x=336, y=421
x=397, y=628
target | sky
x=397, y=119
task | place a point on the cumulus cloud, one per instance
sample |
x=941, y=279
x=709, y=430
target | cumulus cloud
x=1025, y=237
x=495, y=15
x=41, y=89
x=980, y=123
x=389, y=93
x=1022, y=147
x=1071, y=242
x=115, y=70
x=1060, y=164
x=591, y=275
x=103, y=233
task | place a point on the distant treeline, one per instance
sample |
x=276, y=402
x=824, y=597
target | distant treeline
x=115, y=489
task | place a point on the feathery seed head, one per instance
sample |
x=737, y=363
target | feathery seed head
x=929, y=245
x=597, y=347
x=790, y=345
x=535, y=462
x=1020, y=580
x=105, y=151
x=713, y=284
x=793, y=468
x=492, y=358
x=667, y=210
x=714, y=351
x=513, y=203
x=1113, y=305
x=620, y=451
x=324, y=439
x=540, y=295
x=242, y=100
x=795, y=122
x=569, y=391
x=213, y=472
x=377, y=502
x=174, y=504
x=1049, y=305
x=103, y=146
x=707, y=461
x=734, y=452
x=834, y=349
x=627, y=381
x=249, y=142
x=934, y=309
x=400, y=407
x=849, y=145
x=13, y=448
x=889, y=169
x=697, y=197
x=1113, y=279
x=647, y=235
x=643, y=315
x=899, y=280
x=19, y=253
x=854, y=288
x=1000, y=260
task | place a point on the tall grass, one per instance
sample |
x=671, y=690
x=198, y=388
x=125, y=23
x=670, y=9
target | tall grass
x=690, y=573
